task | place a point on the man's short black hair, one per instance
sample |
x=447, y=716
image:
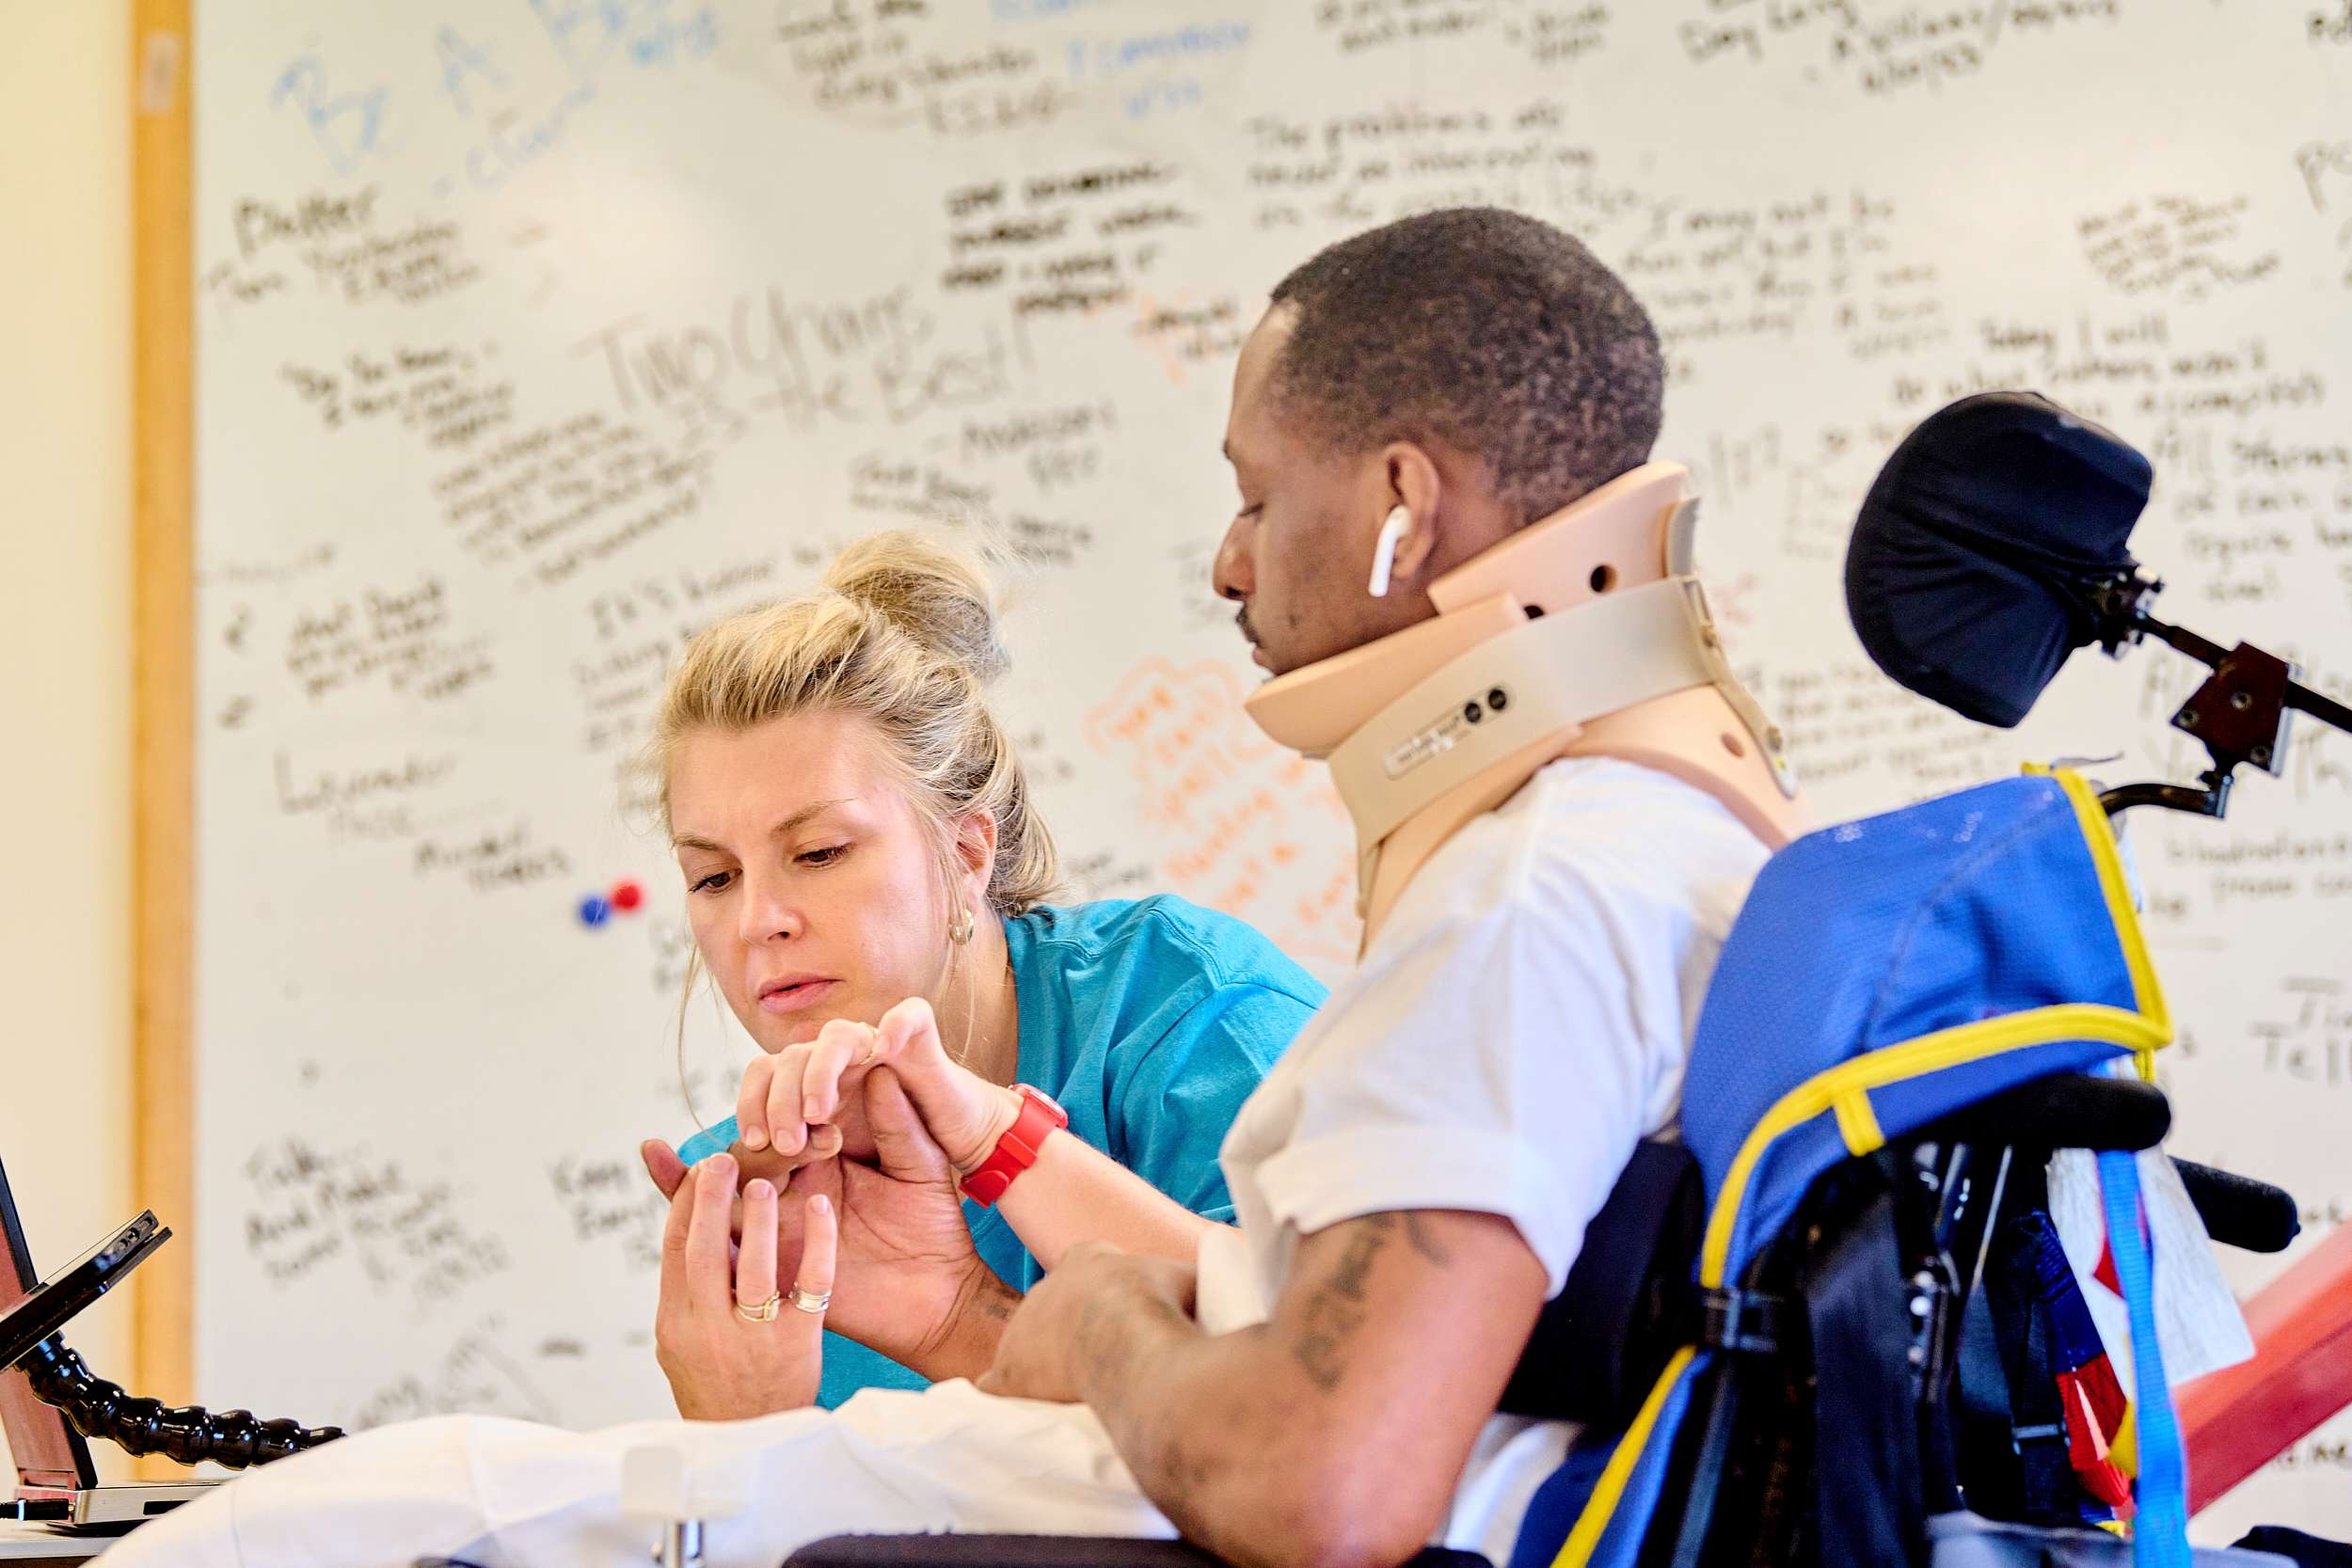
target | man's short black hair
x=1489, y=331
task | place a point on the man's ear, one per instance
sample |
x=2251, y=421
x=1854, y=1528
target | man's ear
x=1415, y=484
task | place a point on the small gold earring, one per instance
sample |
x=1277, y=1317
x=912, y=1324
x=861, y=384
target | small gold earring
x=960, y=932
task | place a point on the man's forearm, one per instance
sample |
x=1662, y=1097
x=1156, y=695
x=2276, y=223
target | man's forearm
x=1335, y=1433
x=1190, y=1413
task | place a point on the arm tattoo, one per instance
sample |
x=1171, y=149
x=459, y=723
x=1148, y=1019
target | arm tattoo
x=1335, y=1310
x=1424, y=1242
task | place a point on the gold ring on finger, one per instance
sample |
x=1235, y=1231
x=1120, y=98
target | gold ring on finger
x=764, y=1313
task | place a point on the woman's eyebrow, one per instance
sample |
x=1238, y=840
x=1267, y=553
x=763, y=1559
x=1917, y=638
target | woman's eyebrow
x=789, y=824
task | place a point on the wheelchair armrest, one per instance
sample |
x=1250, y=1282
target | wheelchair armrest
x=1040, y=1551
x=2066, y=1110
x=2080, y=1110
x=2240, y=1211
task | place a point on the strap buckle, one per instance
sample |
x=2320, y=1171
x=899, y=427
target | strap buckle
x=1742, y=1321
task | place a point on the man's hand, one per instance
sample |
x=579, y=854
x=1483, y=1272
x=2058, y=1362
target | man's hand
x=668, y=1170
x=1047, y=1348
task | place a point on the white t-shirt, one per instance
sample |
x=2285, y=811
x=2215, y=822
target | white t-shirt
x=1517, y=1024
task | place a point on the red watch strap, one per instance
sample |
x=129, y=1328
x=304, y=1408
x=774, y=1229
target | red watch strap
x=1016, y=1151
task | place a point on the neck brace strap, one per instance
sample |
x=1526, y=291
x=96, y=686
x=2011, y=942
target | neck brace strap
x=1535, y=683
x=1582, y=634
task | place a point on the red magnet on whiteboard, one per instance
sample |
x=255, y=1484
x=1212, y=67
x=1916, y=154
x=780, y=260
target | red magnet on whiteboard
x=626, y=897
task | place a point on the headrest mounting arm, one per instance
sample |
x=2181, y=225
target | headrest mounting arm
x=2239, y=713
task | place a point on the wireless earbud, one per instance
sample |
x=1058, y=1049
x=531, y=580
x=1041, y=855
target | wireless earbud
x=1384, y=552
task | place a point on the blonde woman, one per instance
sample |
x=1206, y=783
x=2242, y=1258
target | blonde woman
x=869, y=888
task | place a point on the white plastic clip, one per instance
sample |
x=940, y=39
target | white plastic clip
x=657, y=1484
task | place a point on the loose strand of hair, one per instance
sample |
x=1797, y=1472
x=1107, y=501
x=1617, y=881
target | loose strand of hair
x=685, y=1000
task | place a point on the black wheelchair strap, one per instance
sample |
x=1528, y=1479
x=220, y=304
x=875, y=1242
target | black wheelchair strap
x=1746, y=1322
x=1869, y=1504
x=2048, y=1492
x=1990, y=1456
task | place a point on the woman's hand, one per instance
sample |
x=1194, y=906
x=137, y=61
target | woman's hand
x=911, y=1286
x=791, y=1098
x=730, y=1339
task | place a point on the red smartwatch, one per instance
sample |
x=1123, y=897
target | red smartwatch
x=1016, y=1151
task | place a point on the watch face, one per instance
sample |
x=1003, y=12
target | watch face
x=1051, y=1104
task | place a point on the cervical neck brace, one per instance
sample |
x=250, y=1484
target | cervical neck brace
x=1583, y=633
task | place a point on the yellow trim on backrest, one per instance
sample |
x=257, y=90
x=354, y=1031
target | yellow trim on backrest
x=2107, y=855
x=1966, y=1042
x=1577, y=1548
x=1858, y=1124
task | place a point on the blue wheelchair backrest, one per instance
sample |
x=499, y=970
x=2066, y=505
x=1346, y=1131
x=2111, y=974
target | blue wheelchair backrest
x=1882, y=974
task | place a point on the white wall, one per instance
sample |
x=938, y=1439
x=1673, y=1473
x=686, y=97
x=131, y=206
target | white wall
x=65, y=634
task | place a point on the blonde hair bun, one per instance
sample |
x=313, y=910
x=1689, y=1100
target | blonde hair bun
x=937, y=594
x=903, y=636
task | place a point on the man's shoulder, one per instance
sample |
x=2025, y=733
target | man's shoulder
x=1575, y=800
x=1584, y=832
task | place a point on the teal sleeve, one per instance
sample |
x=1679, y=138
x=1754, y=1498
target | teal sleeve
x=850, y=1367
x=1177, y=1099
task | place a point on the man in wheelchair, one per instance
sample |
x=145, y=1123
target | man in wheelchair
x=1473, y=591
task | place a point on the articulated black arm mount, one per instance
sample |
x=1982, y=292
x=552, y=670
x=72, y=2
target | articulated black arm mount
x=30, y=1339
x=188, y=1433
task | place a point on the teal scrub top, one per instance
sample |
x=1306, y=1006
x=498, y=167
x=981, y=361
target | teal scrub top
x=1150, y=1021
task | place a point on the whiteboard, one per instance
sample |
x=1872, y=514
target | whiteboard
x=532, y=336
